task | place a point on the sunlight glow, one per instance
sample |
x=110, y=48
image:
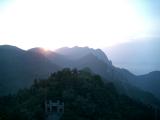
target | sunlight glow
x=52, y=24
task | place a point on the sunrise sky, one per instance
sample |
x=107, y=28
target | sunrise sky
x=95, y=23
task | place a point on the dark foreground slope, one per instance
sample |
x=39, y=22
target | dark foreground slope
x=85, y=96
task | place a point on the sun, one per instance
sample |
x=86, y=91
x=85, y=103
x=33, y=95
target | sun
x=65, y=23
x=45, y=49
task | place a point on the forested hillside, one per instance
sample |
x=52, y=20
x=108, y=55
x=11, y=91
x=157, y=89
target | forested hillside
x=85, y=97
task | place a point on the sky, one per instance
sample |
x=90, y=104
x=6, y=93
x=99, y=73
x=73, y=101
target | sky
x=139, y=57
x=95, y=23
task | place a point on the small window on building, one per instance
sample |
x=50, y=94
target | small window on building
x=48, y=109
x=60, y=102
x=60, y=110
x=48, y=102
x=54, y=108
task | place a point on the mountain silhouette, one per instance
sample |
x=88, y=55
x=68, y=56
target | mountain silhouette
x=76, y=53
x=19, y=68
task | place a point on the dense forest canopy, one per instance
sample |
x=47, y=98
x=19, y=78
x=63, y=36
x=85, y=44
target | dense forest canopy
x=86, y=97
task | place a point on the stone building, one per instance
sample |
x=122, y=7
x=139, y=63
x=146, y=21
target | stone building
x=54, y=109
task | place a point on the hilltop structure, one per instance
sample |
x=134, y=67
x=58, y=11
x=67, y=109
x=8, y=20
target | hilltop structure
x=54, y=109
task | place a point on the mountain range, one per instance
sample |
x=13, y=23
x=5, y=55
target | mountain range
x=19, y=68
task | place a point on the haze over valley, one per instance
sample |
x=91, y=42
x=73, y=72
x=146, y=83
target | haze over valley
x=139, y=56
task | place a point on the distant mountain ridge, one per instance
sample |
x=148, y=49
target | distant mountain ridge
x=139, y=56
x=19, y=68
x=79, y=52
x=22, y=67
x=99, y=63
x=53, y=57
